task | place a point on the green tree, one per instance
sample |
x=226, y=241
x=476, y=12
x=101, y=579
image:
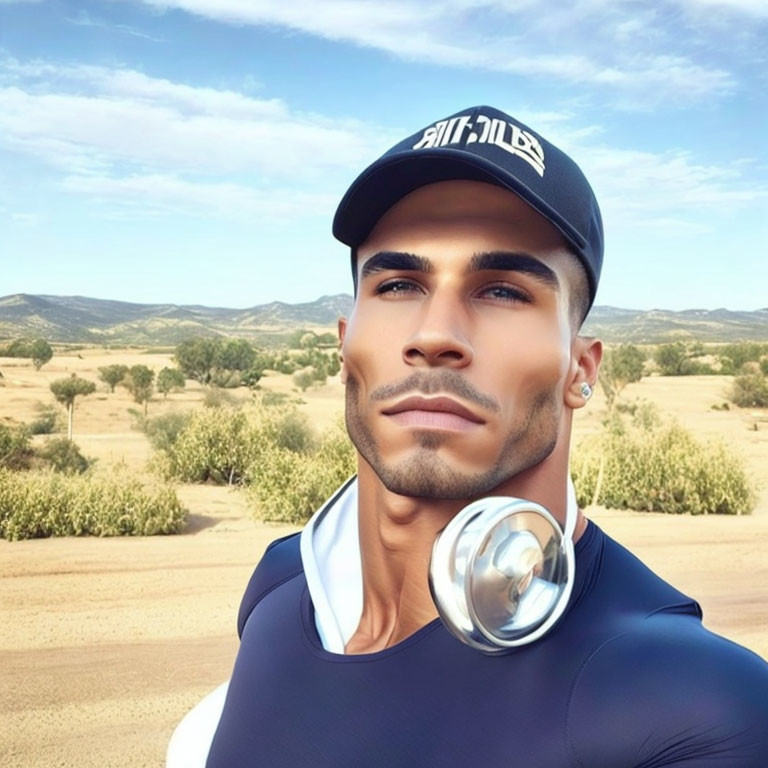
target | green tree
x=18, y=348
x=252, y=376
x=197, y=358
x=112, y=375
x=66, y=390
x=40, y=351
x=235, y=355
x=308, y=340
x=168, y=379
x=621, y=366
x=294, y=338
x=671, y=358
x=733, y=357
x=139, y=382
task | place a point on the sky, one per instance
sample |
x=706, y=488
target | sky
x=194, y=151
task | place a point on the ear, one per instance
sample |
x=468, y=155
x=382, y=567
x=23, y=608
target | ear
x=586, y=354
x=342, y=330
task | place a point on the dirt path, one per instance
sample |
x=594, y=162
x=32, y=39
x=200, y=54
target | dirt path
x=106, y=643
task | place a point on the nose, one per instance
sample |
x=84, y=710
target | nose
x=439, y=338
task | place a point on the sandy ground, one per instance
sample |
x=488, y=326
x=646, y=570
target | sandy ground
x=106, y=643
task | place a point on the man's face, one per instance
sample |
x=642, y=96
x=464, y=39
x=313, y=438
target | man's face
x=458, y=350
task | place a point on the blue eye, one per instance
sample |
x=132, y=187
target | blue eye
x=395, y=287
x=505, y=293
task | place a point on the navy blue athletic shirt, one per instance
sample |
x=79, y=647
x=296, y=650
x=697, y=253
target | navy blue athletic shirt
x=629, y=678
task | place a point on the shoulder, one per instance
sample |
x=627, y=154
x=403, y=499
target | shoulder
x=281, y=561
x=669, y=692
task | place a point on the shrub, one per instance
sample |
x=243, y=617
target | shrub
x=671, y=359
x=216, y=397
x=163, y=431
x=659, y=469
x=18, y=348
x=40, y=504
x=288, y=487
x=750, y=390
x=63, y=456
x=735, y=356
x=304, y=378
x=15, y=449
x=219, y=445
x=252, y=377
x=226, y=378
x=48, y=420
x=216, y=445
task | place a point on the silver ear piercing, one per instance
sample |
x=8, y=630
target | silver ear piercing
x=586, y=390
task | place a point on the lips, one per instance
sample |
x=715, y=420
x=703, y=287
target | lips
x=439, y=412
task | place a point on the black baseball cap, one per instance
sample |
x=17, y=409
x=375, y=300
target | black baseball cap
x=480, y=144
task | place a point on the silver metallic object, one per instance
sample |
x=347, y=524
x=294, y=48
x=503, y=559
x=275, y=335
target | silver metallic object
x=586, y=390
x=502, y=572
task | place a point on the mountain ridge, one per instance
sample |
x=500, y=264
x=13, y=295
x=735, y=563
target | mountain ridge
x=81, y=319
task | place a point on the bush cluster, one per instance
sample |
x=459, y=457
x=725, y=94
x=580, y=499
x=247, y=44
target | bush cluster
x=48, y=420
x=750, y=389
x=271, y=449
x=18, y=454
x=287, y=487
x=697, y=359
x=63, y=455
x=657, y=467
x=15, y=449
x=37, y=350
x=38, y=504
x=219, y=444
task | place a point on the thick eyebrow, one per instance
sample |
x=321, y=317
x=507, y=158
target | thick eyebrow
x=515, y=262
x=384, y=260
x=508, y=261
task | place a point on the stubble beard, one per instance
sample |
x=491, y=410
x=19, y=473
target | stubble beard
x=425, y=474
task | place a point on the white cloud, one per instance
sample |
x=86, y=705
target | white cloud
x=87, y=119
x=163, y=195
x=591, y=42
x=84, y=19
x=756, y=8
x=149, y=146
x=640, y=189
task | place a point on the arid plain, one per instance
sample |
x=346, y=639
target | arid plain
x=106, y=643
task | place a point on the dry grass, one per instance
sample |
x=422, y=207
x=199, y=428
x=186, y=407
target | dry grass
x=105, y=643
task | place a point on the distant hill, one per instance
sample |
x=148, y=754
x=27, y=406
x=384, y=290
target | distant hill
x=77, y=319
x=661, y=325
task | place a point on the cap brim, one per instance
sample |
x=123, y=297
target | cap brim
x=376, y=190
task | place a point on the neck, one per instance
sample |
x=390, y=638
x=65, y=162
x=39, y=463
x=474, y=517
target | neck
x=396, y=537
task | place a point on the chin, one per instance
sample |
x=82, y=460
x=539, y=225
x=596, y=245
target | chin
x=427, y=475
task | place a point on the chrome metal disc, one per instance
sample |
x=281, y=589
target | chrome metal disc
x=502, y=572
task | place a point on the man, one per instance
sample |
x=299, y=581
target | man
x=476, y=253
